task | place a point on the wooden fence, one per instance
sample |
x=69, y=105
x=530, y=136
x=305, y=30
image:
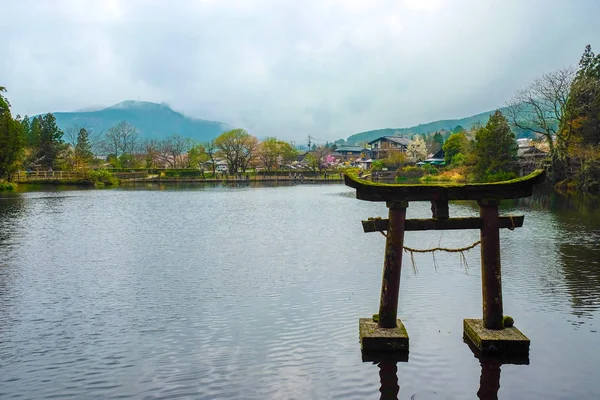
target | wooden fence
x=23, y=176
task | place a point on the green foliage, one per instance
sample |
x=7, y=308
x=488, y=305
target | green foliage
x=377, y=165
x=12, y=140
x=588, y=176
x=375, y=317
x=508, y=321
x=583, y=107
x=274, y=153
x=50, y=142
x=4, y=103
x=435, y=126
x=8, y=186
x=128, y=160
x=101, y=177
x=458, y=129
x=495, y=150
x=238, y=147
x=409, y=173
x=395, y=159
x=197, y=156
x=83, y=149
x=456, y=144
x=459, y=160
x=430, y=169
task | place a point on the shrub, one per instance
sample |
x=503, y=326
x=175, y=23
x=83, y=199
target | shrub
x=459, y=160
x=456, y=177
x=430, y=169
x=8, y=186
x=100, y=177
x=500, y=176
x=183, y=173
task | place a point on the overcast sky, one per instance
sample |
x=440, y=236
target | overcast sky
x=287, y=68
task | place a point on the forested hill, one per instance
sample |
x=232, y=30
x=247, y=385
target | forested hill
x=447, y=124
x=151, y=120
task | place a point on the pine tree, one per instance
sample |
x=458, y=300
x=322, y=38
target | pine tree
x=495, y=150
x=583, y=107
x=50, y=142
x=83, y=148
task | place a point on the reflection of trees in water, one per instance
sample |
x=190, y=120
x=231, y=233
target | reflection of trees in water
x=581, y=266
x=10, y=209
x=550, y=200
x=578, y=244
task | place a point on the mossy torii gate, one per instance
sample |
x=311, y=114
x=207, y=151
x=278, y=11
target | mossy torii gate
x=397, y=197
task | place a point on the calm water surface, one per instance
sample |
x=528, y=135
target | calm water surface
x=255, y=293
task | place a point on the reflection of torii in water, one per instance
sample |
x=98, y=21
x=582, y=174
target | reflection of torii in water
x=489, y=381
x=388, y=372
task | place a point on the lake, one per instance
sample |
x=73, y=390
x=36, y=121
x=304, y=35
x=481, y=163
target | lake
x=215, y=292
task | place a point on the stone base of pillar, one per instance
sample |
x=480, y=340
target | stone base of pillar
x=382, y=340
x=502, y=341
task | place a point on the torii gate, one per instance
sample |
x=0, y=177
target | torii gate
x=489, y=334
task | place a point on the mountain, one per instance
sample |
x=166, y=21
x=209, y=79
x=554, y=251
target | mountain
x=447, y=124
x=152, y=120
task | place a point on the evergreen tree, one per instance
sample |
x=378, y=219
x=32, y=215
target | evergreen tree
x=34, y=133
x=4, y=104
x=83, y=148
x=495, y=150
x=12, y=140
x=50, y=142
x=583, y=107
x=437, y=142
x=457, y=129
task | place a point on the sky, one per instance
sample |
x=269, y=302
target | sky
x=288, y=68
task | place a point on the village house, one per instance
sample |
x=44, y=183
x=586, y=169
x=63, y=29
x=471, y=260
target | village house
x=381, y=146
x=434, y=159
x=352, y=152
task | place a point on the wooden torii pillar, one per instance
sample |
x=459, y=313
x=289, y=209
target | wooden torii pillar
x=489, y=334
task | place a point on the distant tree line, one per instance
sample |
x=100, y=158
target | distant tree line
x=38, y=144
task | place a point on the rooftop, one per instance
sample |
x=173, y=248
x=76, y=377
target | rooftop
x=396, y=139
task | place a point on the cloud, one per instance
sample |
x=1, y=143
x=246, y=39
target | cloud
x=328, y=68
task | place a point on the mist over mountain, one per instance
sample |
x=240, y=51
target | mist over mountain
x=154, y=121
x=448, y=124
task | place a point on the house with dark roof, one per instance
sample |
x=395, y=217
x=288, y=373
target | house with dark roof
x=348, y=152
x=380, y=147
x=435, y=159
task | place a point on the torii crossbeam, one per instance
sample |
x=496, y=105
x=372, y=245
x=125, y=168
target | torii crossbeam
x=388, y=333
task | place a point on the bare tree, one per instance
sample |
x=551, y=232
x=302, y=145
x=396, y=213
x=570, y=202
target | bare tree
x=172, y=150
x=541, y=108
x=211, y=149
x=122, y=138
x=151, y=152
